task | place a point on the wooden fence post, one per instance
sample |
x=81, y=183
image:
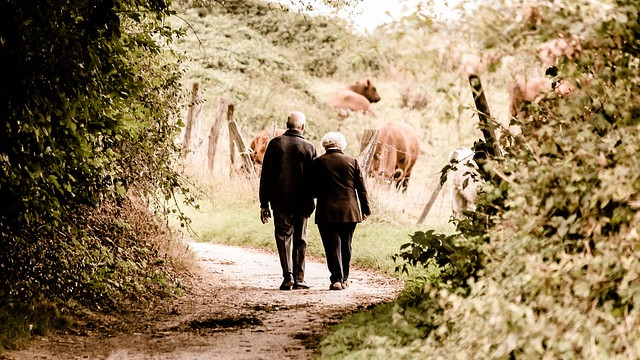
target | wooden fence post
x=484, y=115
x=214, y=134
x=189, y=126
x=367, y=148
x=487, y=128
x=236, y=138
x=232, y=145
x=432, y=199
x=272, y=133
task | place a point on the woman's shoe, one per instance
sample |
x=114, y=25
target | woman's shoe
x=301, y=285
x=287, y=284
x=345, y=284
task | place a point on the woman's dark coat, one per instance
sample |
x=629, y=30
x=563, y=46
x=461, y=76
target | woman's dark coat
x=339, y=188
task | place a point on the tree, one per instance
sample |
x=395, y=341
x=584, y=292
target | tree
x=88, y=103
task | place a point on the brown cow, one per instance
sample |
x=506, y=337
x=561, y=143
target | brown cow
x=524, y=91
x=259, y=144
x=357, y=97
x=396, y=153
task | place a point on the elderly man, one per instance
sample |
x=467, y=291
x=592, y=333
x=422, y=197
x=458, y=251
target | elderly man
x=342, y=203
x=285, y=184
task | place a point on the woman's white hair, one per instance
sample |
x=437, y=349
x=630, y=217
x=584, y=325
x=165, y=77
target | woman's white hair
x=334, y=140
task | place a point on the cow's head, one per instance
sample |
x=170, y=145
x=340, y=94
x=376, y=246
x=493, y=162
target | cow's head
x=257, y=148
x=367, y=89
x=382, y=173
x=259, y=144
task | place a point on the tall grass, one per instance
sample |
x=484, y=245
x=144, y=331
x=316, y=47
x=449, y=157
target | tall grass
x=229, y=213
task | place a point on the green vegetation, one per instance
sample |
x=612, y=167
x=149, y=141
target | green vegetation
x=88, y=104
x=545, y=268
x=556, y=230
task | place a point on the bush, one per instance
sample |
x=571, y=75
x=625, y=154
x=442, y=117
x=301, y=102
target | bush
x=412, y=98
x=558, y=276
x=89, y=110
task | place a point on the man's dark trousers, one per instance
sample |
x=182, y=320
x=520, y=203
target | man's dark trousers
x=291, y=230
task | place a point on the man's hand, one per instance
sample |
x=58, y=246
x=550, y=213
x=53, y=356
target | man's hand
x=265, y=214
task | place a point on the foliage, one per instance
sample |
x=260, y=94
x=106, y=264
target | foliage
x=90, y=108
x=560, y=269
x=412, y=97
x=267, y=59
x=458, y=259
x=320, y=43
x=20, y=320
x=387, y=329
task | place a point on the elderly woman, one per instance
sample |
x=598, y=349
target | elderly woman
x=341, y=203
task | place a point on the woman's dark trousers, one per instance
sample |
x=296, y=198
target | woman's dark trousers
x=336, y=238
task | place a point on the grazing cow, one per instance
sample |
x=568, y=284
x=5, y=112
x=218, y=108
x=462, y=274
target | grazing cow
x=357, y=97
x=259, y=144
x=464, y=179
x=396, y=153
x=524, y=91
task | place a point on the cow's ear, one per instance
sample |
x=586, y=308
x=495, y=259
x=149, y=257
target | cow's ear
x=368, y=82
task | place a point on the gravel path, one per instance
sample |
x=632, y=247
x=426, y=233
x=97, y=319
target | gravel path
x=234, y=310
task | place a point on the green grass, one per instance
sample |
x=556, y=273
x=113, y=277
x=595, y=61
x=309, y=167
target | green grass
x=229, y=214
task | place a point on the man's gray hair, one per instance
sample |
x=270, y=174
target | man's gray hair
x=334, y=140
x=296, y=120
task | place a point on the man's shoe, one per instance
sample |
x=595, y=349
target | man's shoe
x=301, y=285
x=287, y=284
x=336, y=286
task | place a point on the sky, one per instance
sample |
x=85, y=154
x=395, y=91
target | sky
x=368, y=14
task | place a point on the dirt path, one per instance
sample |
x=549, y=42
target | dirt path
x=235, y=311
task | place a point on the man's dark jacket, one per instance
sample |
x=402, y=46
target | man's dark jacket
x=340, y=188
x=285, y=182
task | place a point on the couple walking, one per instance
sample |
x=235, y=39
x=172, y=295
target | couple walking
x=292, y=176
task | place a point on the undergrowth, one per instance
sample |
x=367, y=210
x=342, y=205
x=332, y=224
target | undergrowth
x=122, y=256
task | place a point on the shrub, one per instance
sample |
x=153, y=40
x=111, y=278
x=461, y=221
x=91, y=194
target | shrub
x=89, y=110
x=557, y=277
x=412, y=98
